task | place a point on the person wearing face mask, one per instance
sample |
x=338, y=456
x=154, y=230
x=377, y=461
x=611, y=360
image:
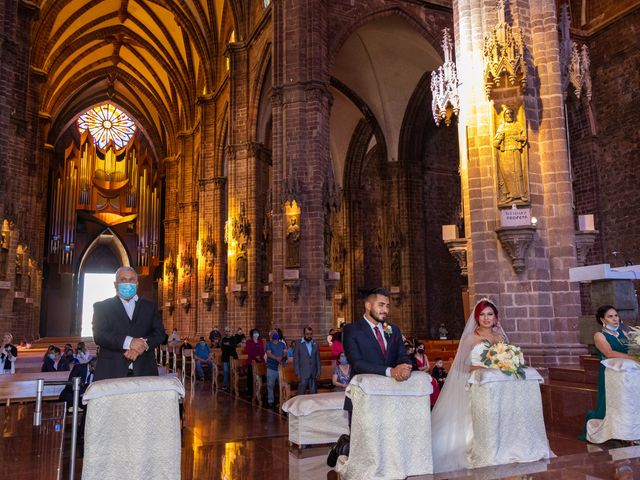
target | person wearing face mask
x=306, y=362
x=228, y=347
x=127, y=329
x=276, y=354
x=55, y=362
x=342, y=373
x=255, y=352
x=610, y=342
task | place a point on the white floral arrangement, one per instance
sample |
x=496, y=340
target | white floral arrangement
x=504, y=357
x=634, y=341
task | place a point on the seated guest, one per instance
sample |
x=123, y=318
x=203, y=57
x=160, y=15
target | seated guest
x=342, y=373
x=82, y=355
x=174, y=341
x=336, y=344
x=215, y=337
x=306, y=362
x=439, y=373
x=240, y=336
x=55, y=362
x=85, y=372
x=610, y=342
x=332, y=332
x=185, y=345
x=421, y=360
x=276, y=354
x=69, y=357
x=202, y=354
x=255, y=352
x=8, y=354
x=228, y=346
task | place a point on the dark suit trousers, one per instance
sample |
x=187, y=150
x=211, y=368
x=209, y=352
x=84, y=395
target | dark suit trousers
x=309, y=383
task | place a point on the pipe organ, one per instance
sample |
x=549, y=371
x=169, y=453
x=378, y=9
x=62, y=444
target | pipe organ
x=111, y=185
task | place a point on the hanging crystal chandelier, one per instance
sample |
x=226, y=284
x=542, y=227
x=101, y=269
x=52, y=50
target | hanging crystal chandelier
x=444, y=85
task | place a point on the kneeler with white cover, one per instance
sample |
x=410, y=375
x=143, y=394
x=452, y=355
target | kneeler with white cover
x=507, y=419
x=390, y=428
x=132, y=429
x=622, y=420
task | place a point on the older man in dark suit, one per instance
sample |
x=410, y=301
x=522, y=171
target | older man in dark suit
x=306, y=362
x=127, y=329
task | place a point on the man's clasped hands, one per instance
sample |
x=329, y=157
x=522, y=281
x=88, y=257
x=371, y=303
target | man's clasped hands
x=136, y=348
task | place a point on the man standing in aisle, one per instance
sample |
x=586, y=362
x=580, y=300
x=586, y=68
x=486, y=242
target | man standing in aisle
x=127, y=329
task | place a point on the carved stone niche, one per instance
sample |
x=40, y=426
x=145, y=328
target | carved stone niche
x=207, y=299
x=396, y=295
x=584, y=243
x=458, y=250
x=516, y=242
x=331, y=280
x=239, y=292
x=293, y=283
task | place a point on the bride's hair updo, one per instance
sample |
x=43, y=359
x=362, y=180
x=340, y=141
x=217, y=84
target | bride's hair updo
x=482, y=304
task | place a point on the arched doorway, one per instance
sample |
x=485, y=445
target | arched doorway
x=96, y=275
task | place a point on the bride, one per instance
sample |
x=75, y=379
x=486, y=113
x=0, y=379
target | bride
x=452, y=427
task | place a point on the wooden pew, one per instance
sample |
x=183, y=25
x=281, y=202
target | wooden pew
x=288, y=380
x=259, y=380
x=23, y=386
x=238, y=371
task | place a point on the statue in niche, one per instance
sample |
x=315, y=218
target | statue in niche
x=442, y=332
x=339, y=255
x=293, y=243
x=510, y=140
x=328, y=237
x=18, y=272
x=186, y=287
x=264, y=248
x=208, y=278
x=210, y=253
x=4, y=254
x=396, y=267
x=241, y=264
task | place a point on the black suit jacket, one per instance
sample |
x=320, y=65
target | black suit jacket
x=364, y=354
x=79, y=370
x=111, y=325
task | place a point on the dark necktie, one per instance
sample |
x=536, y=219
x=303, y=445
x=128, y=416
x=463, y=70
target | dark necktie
x=380, y=341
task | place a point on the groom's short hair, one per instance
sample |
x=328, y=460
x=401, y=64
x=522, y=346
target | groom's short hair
x=375, y=292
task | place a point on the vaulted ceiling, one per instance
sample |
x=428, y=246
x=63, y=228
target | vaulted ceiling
x=151, y=57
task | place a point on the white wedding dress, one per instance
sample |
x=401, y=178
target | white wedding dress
x=484, y=417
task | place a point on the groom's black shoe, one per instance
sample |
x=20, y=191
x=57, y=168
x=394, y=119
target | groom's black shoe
x=340, y=448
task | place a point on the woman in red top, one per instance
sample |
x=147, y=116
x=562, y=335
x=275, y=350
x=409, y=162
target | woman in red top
x=255, y=351
x=336, y=344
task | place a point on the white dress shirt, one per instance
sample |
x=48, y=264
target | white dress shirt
x=129, y=306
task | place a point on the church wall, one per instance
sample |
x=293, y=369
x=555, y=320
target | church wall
x=22, y=180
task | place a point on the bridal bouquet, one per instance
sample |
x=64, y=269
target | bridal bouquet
x=634, y=341
x=505, y=357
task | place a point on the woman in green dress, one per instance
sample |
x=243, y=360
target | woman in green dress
x=610, y=342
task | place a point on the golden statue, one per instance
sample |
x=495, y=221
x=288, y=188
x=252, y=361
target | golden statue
x=510, y=140
x=293, y=243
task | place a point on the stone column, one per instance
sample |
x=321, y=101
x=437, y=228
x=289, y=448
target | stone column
x=539, y=308
x=301, y=105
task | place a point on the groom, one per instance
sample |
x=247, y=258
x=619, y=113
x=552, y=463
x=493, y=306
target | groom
x=372, y=345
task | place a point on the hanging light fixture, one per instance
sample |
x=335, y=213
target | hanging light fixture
x=444, y=85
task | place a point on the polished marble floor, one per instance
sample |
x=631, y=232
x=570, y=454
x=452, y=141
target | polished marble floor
x=228, y=438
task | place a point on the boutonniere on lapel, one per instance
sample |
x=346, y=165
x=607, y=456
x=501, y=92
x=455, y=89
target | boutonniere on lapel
x=386, y=328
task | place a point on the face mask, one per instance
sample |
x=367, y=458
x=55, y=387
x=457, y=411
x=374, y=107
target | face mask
x=255, y=337
x=611, y=327
x=52, y=356
x=421, y=350
x=127, y=290
x=343, y=361
x=274, y=337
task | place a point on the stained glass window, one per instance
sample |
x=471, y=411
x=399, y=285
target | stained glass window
x=107, y=123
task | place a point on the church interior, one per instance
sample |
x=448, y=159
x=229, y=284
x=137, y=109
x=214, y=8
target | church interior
x=235, y=154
